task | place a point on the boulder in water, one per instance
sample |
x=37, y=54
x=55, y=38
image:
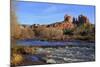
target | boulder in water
x=51, y=61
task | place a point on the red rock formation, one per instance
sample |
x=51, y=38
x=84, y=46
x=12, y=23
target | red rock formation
x=68, y=18
x=66, y=24
x=83, y=19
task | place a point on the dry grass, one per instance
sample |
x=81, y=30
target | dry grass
x=16, y=59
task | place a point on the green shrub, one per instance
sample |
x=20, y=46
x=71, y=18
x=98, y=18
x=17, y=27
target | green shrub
x=68, y=32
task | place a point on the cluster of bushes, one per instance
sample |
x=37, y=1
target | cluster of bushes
x=85, y=29
x=27, y=33
x=85, y=32
x=49, y=33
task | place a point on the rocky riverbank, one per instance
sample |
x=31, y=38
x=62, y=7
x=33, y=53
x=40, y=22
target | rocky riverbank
x=58, y=54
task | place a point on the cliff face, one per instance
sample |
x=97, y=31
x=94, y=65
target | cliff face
x=68, y=18
x=83, y=19
x=80, y=20
x=66, y=24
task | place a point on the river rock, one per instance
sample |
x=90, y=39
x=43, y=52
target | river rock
x=51, y=61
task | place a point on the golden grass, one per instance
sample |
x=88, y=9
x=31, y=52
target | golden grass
x=16, y=59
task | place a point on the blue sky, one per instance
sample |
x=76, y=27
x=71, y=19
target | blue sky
x=47, y=13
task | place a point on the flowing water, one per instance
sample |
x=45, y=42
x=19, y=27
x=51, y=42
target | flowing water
x=61, y=51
